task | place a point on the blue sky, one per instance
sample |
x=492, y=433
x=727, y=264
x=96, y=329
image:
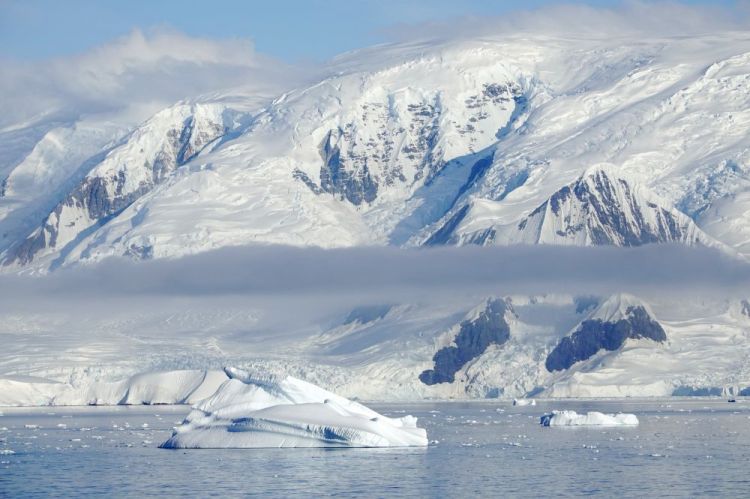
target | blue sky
x=293, y=30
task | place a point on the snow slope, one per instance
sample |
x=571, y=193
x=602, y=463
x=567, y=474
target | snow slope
x=145, y=159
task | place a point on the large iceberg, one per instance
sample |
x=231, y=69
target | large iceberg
x=572, y=418
x=250, y=410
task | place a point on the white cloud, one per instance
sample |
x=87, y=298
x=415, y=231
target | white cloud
x=140, y=73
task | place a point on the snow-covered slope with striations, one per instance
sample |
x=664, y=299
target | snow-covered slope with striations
x=145, y=159
x=357, y=159
x=645, y=110
x=30, y=187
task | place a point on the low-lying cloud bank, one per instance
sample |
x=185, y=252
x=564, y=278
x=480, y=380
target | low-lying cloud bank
x=391, y=273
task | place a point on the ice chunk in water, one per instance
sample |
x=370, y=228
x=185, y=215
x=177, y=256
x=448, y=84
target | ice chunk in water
x=257, y=410
x=572, y=418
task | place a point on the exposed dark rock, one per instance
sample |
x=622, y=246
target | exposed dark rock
x=501, y=92
x=24, y=252
x=594, y=335
x=305, y=179
x=612, y=213
x=473, y=338
x=356, y=186
x=483, y=238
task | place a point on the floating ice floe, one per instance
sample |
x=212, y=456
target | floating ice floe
x=572, y=418
x=523, y=402
x=250, y=410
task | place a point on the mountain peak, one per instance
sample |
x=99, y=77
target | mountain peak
x=603, y=208
x=620, y=318
x=617, y=307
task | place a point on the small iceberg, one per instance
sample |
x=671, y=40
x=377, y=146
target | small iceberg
x=524, y=402
x=572, y=418
x=254, y=411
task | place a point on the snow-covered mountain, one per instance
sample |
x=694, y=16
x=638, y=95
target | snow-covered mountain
x=517, y=139
x=617, y=320
x=496, y=140
x=599, y=208
x=146, y=158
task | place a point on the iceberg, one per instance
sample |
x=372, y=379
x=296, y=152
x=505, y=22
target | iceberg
x=252, y=410
x=524, y=402
x=572, y=418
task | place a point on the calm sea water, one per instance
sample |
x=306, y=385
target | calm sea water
x=682, y=448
